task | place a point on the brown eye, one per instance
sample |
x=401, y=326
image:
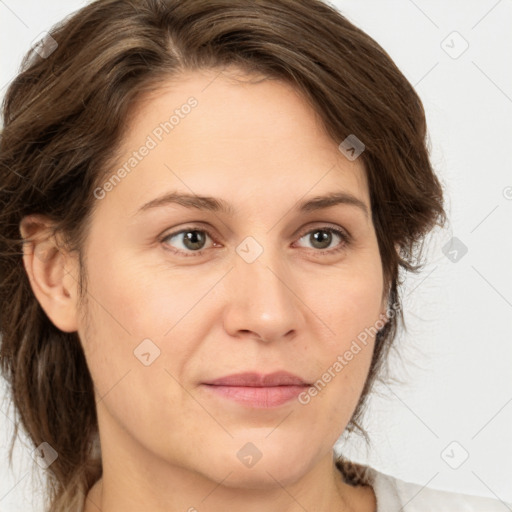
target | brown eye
x=189, y=240
x=322, y=238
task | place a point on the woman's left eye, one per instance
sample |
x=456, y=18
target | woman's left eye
x=323, y=240
x=195, y=239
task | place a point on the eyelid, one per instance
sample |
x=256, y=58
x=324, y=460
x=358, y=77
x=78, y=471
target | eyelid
x=346, y=237
x=324, y=225
x=185, y=229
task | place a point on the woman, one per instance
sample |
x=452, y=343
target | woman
x=176, y=333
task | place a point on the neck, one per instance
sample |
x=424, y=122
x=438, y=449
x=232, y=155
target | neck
x=133, y=490
x=134, y=479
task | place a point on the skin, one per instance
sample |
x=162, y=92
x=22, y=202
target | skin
x=167, y=443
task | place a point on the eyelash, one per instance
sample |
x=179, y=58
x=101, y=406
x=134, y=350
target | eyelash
x=345, y=240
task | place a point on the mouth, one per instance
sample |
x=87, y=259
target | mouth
x=257, y=390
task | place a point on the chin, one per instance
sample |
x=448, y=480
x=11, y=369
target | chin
x=270, y=467
x=263, y=477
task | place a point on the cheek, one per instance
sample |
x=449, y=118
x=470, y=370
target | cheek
x=142, y=325
x=136, y=374
x=145, y=299
x=348, y=303
x=331, y=400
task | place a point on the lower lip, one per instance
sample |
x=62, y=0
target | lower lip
x=260, y=397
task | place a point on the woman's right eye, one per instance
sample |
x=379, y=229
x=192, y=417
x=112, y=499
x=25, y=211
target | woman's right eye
x=193, y=241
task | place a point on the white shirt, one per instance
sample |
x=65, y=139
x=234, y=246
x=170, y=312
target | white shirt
x=395, y=495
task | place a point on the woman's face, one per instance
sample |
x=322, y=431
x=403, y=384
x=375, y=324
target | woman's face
x=245, y=282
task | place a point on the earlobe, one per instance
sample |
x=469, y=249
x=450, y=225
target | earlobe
x=51, y=271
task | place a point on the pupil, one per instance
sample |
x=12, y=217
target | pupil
x=325, y=236
x=192, y=238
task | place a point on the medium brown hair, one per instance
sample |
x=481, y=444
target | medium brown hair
x=63, y=120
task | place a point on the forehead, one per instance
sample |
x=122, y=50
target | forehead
x=232, y=136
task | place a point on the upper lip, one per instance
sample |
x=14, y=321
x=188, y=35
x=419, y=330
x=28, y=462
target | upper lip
x=253, y=379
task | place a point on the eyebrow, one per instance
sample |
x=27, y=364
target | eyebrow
x=214, y=204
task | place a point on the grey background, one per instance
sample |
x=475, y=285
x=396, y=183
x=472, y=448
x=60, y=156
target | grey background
x=456, y=356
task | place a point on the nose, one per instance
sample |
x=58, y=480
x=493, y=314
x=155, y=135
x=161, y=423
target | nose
x=261, y=299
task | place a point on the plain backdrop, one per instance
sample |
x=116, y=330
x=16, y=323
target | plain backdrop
x=449, y=425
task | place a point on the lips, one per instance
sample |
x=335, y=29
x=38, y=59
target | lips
x=256, y=390
x=259, y=380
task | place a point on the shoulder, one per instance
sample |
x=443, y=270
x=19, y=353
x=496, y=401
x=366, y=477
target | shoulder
x=394, y=495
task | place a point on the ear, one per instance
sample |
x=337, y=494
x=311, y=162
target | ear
x=385, y=297
x=383, y=310
x=52, y=272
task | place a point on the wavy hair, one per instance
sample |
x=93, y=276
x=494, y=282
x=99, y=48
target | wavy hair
x=63, y=117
